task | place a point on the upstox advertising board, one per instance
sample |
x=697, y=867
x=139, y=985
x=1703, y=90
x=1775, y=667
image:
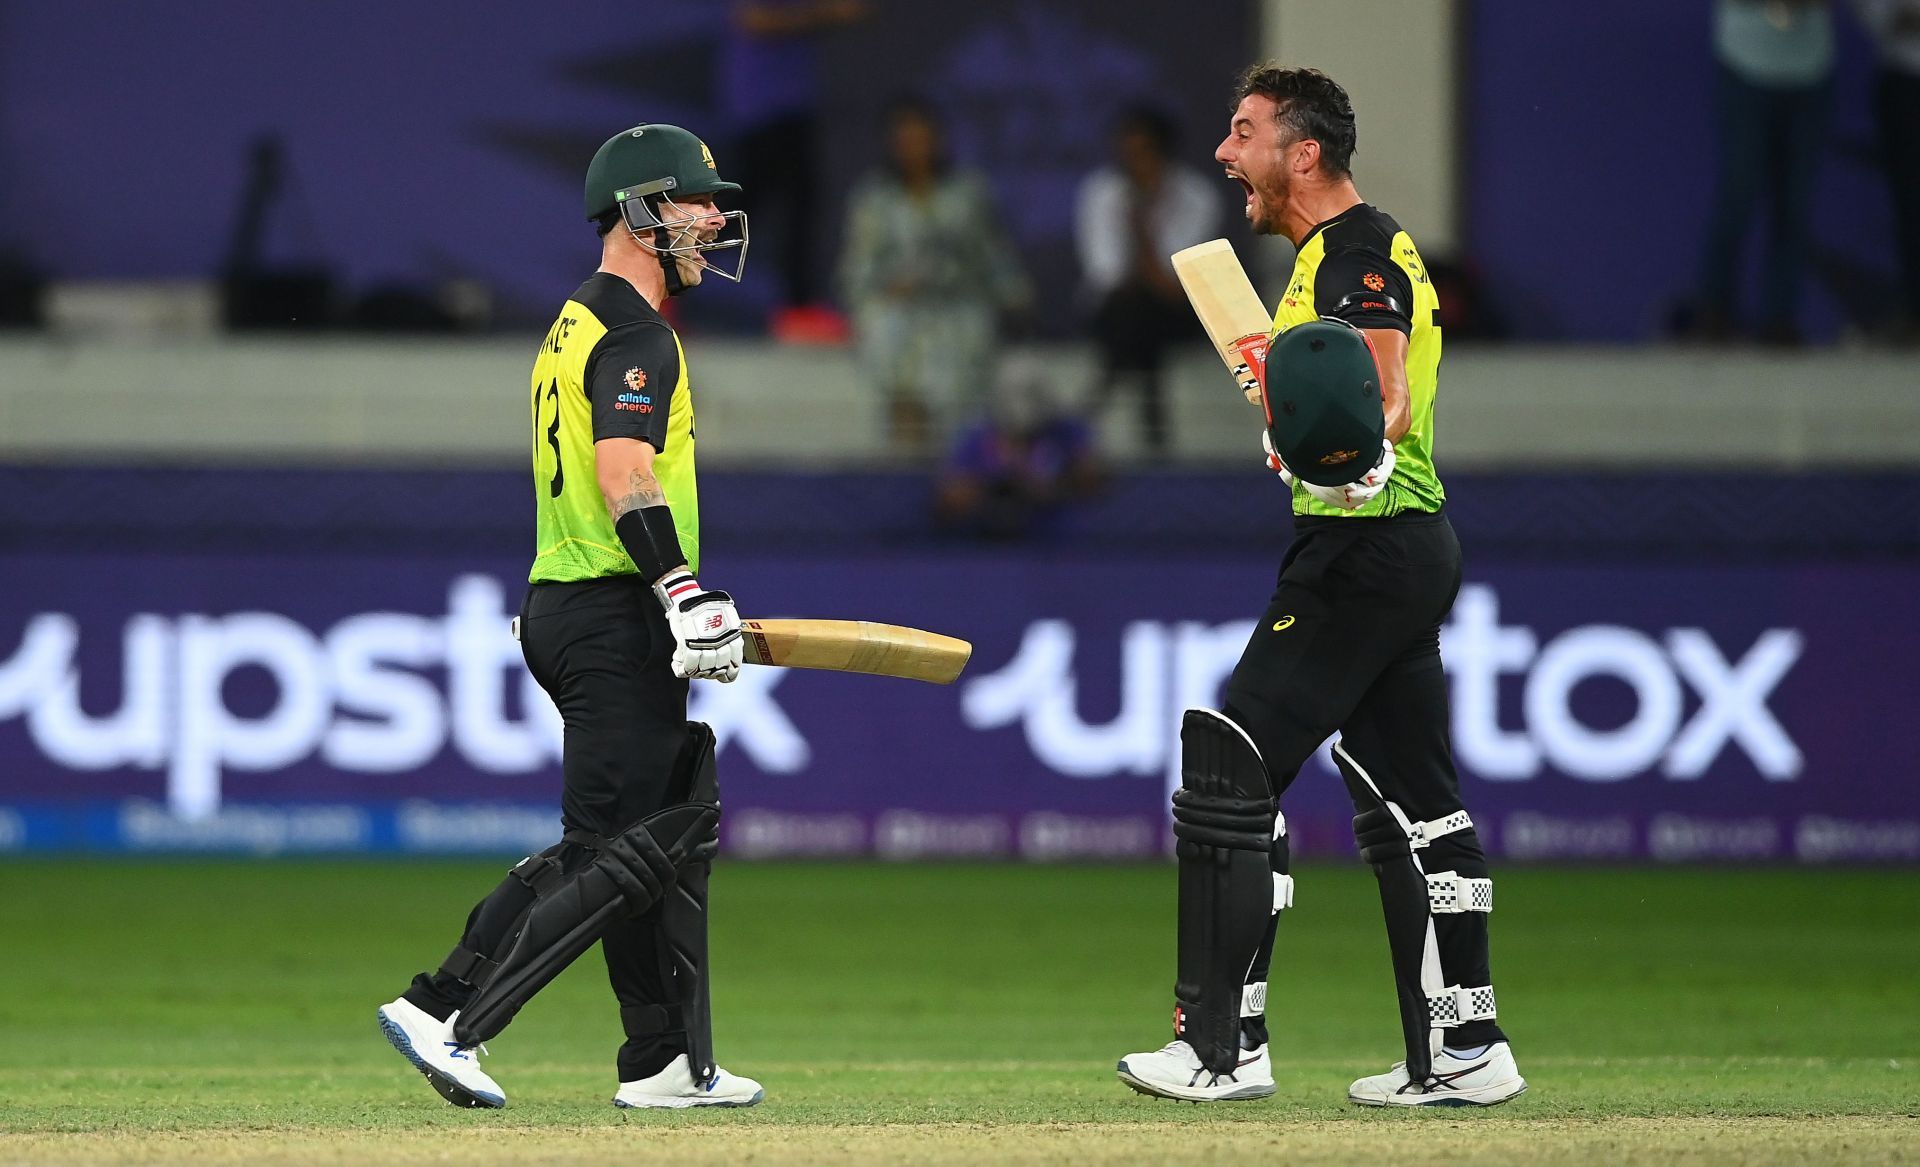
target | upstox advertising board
x=288, y=703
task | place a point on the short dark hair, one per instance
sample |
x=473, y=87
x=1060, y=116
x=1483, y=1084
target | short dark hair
x=1311, y=104
x=918, y=107
x=605, y=222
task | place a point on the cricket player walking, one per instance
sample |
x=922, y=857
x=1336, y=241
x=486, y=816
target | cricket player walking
x=614, y=626
x=1349, y=644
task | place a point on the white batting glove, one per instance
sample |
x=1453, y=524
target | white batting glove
x=1273, y=459
x=706, y=629
x=1359, y=492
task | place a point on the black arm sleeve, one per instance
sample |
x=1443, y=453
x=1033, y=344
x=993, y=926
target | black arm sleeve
x=630, y=379
x=1365, y=289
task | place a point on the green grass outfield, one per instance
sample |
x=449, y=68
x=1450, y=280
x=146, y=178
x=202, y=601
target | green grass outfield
x=223, y=1013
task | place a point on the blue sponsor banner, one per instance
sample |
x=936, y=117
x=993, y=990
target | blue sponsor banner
x=283, y=703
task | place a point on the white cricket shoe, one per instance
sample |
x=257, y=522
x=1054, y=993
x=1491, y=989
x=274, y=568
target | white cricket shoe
x=1487, y=1080
x=453, y=1071
x=674, y=1087
x=1174, y=1071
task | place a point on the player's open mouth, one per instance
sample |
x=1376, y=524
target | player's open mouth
x=1245, y=186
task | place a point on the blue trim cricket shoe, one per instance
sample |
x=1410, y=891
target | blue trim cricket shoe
x=453, y=1071
x=1174, y=1071
x=674, y=1088
x=1486, y=1076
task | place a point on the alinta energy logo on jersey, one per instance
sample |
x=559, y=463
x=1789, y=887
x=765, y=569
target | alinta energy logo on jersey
x=1375, y=281
x=635, y=401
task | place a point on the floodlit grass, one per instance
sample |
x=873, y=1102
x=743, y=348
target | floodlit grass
x=223, y=1012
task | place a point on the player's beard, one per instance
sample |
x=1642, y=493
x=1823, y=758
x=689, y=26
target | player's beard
x=691, y=268
x=1269, y=206
x=690, y=264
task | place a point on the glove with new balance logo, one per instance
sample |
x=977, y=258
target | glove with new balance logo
x=706, y=629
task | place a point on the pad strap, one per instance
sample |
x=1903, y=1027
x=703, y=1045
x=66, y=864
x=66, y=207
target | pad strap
x=1282, y=892
x=1427, y=832
x=542, y=873
x=1450, y=893
x=647, y=1020
x=1253, y=999
x=464, y=964
x=1455, y=1005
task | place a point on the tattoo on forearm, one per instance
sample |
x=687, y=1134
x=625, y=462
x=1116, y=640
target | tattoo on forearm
x=643, y=490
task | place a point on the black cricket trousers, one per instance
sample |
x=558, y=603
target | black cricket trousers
x=1350, y=644
x=602, y=650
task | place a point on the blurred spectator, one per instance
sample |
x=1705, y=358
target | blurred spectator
x=1895, y=25
x=772, y=75
x=1132, y=216
x=927, y=272
x=1012, y=474
x=22, y=291
x=258, y=291
x=1775, y=63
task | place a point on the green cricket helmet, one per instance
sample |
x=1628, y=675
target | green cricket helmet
x=643, y=173
x=1325, y=415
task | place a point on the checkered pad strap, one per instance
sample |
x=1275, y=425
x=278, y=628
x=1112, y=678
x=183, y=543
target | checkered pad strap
x=1253, y=999
x=1427, y=832
x=1449, y=893
x=1455, y=1005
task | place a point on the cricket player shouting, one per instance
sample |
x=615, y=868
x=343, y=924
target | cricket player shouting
x=613, y=626
x=1349, y=644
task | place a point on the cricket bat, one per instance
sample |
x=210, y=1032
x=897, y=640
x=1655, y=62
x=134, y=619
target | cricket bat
x=1229, y=309
x=856, y=646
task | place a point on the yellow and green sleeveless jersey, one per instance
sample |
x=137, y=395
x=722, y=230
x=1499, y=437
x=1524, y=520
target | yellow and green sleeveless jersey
x=610, y=367
x=1359, y=266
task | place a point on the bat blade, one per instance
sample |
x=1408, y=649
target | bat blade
x=1229, y=309
x=856, y=646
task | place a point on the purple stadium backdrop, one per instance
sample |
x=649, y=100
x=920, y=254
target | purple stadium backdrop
x=410, y=164
x=416, y=166
x=277, y=703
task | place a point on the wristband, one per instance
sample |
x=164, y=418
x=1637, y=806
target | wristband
x=678, y=587
x=650, y=538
